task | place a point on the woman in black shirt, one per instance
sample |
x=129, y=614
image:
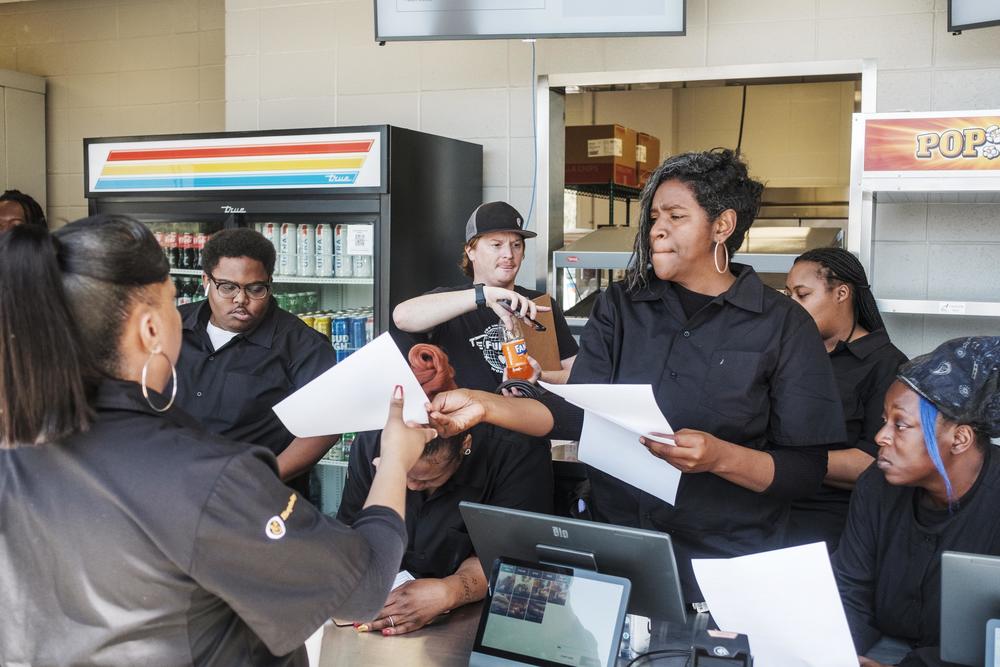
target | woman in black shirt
x=485, y=465
x=936, y=488
x=738, y=368
x=129, y=536
x=831, y=285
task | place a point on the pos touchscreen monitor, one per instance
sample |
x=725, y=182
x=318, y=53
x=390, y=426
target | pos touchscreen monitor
x=644, y=557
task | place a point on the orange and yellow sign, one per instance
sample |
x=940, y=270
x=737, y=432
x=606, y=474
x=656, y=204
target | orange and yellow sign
x=945, y=143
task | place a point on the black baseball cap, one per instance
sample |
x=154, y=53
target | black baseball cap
x=495, y=216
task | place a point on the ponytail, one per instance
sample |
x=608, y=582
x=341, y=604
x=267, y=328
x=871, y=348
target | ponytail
x=839, y=265
x=43, y=390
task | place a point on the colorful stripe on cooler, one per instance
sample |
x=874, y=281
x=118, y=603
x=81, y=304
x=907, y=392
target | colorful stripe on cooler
x=300, y=164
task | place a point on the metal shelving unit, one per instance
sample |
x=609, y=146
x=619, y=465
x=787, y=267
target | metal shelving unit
x=872, y=183
x=612, y=192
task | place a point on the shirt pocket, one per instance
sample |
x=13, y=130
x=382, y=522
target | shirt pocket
x=248, y=398
x=733, y=385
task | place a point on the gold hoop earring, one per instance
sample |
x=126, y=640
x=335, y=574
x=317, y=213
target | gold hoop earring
x=145, y=389
x=715, y=257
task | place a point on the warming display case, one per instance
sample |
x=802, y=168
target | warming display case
x=361, y=217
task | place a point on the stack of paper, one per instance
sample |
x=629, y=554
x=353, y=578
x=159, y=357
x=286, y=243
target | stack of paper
x=615, y=415
x=785, y=601
x=354, y=395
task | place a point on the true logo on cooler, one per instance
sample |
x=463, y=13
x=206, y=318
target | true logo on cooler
x=971, y=142
x=233, y=209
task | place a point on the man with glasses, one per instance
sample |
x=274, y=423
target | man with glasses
x=242, y=354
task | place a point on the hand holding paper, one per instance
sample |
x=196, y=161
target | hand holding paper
x=354, y=395
x=615, y=415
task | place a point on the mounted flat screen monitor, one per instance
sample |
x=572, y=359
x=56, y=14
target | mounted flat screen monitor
x=503, y=19
x=966, y=14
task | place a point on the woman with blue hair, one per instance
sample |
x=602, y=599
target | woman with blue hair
x=936, y=488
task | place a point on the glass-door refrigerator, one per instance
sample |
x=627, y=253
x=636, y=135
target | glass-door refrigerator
x=362, y=218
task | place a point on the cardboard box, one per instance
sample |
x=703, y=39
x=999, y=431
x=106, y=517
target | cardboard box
x=647, y=156
x=600, y=154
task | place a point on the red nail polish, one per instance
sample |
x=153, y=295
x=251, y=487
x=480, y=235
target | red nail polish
x=386, y=632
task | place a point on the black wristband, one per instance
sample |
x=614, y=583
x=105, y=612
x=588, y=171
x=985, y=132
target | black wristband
x=480, y=294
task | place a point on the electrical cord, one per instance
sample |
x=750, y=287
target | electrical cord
x=743, y=115
x=650, y=656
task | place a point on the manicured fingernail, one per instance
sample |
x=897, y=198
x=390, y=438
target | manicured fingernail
x=386, y=632
x=397, y=393
x=356, y=625
x=362, y=628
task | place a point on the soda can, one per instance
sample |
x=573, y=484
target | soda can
x=307, y=240
x=288, y=238
x=307, y=264
x=310, y=320
x=321, y=323
x=341, y=332
x=343, y=354
x=361, y=265
x=324, y=239
x=288, y=264
x=359, y=325
x=342, y=266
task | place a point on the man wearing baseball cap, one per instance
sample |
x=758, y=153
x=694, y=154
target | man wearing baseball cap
x=466, y=320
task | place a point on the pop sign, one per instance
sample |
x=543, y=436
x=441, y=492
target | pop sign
x=933, y=143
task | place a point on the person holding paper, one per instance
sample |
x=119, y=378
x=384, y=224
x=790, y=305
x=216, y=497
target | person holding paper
x=936, y=488
x=831, y=285
x=484, y=465
x=737, y=367
x=467, y=321
x=243, y=354
x=129, y=535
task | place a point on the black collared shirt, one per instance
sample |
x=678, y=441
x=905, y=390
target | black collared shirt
x=749, y=368
x=231, y=391
x=504, y=469
x=145, y=541
x=472, y=341
x=864, y=369
x=888, y=564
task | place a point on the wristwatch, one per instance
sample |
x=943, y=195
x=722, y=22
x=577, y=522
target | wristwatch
x=480, y=294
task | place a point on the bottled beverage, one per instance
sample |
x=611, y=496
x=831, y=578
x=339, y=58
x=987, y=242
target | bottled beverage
x=184, y=250
x=515, y=354
x=199, y=244
x=170, y=247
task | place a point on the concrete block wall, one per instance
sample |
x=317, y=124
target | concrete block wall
x=115, y=67
x=295, y=63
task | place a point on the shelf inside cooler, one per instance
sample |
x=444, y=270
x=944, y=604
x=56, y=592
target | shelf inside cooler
x=296, y=280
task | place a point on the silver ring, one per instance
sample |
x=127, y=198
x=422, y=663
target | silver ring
x=391, y=622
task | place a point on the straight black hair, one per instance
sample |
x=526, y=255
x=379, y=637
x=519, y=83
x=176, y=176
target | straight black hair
x=840, y=266
x=719, y=180
x=33, y=213
x=238, y=242
x=63, y=301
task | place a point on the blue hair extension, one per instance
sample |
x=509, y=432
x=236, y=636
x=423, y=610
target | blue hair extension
x=928, y=422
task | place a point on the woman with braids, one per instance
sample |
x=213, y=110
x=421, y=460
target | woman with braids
x=738, y=369
x=128, y=536
x=831, y=285
x=17, y=208
x=936, y=488
x=486, y=464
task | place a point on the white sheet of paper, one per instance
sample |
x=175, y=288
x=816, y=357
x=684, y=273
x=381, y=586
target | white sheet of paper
x=614, y=417
x=401, y=578
x=354, y=395
x=785, y=601
x=616, y=450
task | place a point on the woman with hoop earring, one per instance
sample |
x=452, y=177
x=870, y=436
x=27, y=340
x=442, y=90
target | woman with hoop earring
x=739, y=371
x=127, y=534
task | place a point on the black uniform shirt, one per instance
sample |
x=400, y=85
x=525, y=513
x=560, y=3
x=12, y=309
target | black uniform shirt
x=888, y=564
x=231, y=391
x=472, y=341
x=749, y=368
x=146, y=542
x=504, y=469
x=864, y=369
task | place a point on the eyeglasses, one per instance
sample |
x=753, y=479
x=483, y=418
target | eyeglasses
x=228, y=289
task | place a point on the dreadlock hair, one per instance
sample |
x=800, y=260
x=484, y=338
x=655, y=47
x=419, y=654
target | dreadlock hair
x=840, y=266
x=33, y=213
x=719, y=180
